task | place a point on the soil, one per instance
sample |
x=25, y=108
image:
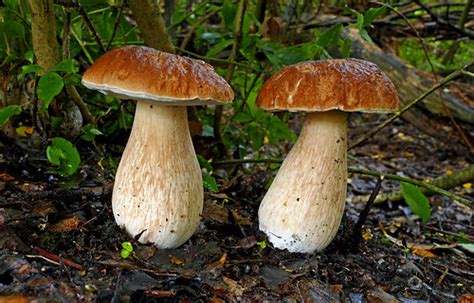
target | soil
x=59, y=241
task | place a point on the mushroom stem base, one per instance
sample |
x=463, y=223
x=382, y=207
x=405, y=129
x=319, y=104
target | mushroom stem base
x=303, y=208
x=158, y=186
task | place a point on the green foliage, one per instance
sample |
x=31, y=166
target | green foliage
x=411, y=51
x=49, y=86
x=64, y=155
x=127, y=250
x=416, y=200
x=208, y=180
x=263, y=244
x=7, y=112
x=365, y=20
x=89, y=132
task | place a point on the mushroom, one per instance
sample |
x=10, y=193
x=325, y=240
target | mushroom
x=158, y=191
x=304, y=205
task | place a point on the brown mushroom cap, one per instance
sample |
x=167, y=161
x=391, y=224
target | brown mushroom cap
x=339, y=84
x=143, y=73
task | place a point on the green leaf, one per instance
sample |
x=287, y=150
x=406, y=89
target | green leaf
x=468, y=246
x=291, y=55
x=345, y=47
x=127, y=246
x=7, y=112
x=360, y=21
x=228, y=13
x=204, y=163
x=32, y=68
x=12, y=29
x=30, y=56
x=210, y=183
x=373, y=14
x=67, y=66
x=219, y=47
x=364, y=34
x=330, y=36
x=416, y=200
x=90, y=132
x=49, y=86
x=63, y=154
x=11, y=4
x=124, y=254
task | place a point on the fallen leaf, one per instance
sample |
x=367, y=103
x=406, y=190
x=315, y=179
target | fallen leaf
x=176, y=261
x=423, y=253
x=24, y=131
x=66, y=225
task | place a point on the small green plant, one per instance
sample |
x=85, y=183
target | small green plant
x=64, y=155
x=208, y=180
x=263, y=244
x=8, y=112
x=51, y=83
x=416, y=200
x=127, y=250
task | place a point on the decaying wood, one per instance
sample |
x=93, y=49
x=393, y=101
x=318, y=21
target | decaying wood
x=411, y=83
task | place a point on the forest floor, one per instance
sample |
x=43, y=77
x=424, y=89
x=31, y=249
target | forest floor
x=59, y=241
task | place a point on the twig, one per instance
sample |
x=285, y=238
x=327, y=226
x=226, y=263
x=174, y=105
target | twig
x=445, y=182
x=465, y=14
x=193, y=28
x=160, y=293
x=367, y=172
x=426, y=185
x=58, y=259
x=226, y=61
x=357, y=231
x=76, y=98
x=441, y=83
x=114, y=31
x=444, y=22
x=92, y=29
x=228, y=76
x=127, y=265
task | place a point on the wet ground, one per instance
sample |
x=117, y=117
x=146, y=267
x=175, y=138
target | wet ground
x=59, y=242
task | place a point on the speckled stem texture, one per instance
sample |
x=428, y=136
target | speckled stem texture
x=158, y=186
x=303, y=208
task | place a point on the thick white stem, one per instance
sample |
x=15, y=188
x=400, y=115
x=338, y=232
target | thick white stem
x=303, y=208
x=158, y=185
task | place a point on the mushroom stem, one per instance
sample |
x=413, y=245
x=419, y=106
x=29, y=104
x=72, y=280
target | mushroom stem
x=158, y=185
x=303, y=208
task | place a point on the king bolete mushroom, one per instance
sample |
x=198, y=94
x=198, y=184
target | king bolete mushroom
x=304, y=205
x=158, y=186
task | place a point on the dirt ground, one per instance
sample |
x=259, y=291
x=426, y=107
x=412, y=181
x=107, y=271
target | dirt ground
x=59, y=241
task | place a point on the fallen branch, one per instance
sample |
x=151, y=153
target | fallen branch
x=428, y=186
x=58, y=259
x=445, y=182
